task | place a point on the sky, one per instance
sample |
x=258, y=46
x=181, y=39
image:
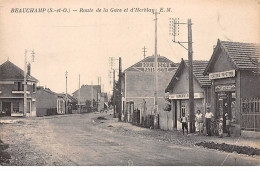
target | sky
x=82, y=42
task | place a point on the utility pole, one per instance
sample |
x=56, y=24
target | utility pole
x=156, y=120
x=174, y=30
x=25, y=84
x=66, y=98
x=92, y=102
x=120, y=88
x=25, y=80
x=144, y=51
x=191, y=86
x=114, y=97
x=79, y=95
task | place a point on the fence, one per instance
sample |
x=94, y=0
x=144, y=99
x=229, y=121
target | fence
x=250, y=114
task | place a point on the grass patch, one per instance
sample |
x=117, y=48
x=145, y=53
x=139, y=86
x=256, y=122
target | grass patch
x=247, y=150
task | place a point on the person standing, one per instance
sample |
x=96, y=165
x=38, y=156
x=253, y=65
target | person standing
x=227, y=124
x=199, y=122
x=208, y=117
x=184, y=122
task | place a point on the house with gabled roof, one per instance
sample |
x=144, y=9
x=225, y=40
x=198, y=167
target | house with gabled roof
x=12, y=91
x=234, y=72
x=138, y=86
x=178, y=91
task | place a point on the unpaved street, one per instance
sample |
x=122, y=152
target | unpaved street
x=82, y=139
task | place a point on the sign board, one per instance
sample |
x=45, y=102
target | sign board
x=186, y=96
x=150, y=67
x=230, y=87
x=225, y=74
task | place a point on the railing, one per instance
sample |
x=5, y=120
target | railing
x=250, y=114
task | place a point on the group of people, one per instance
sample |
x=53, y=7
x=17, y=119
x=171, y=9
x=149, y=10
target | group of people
x=207, y=122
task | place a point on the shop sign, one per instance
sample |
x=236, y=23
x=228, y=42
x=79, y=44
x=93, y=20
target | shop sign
x=150, y=67
x=230, y=87
x=186, y=96
x=225, y=74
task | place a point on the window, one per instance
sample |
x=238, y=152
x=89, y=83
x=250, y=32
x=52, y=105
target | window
x=20, y=86
x=28, y=107
x=15, y=107
x=34, y=88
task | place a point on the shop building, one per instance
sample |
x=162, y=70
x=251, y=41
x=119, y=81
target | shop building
x=12, y=91
x=138, y=85
x=234, y=72
x=178, y=91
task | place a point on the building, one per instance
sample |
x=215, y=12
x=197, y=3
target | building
x=49, y=102
x=234, y=72
x=12, y=91
x=88, y=94
x=178, y=91
x=138, y=85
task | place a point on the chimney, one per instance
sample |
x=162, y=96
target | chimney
x=29, y=69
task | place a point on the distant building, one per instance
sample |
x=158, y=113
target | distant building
x=87, y=92
x=49, y=102
x=138, y=85
x=12, y=91
x=178, y=90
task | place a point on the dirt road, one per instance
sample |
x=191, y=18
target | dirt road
x=81, y=139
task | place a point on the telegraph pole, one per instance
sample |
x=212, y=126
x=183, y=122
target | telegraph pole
x=144, y=51
x=66, y=98
x=92, y=102
x=191, y=86
x=114, y=97
x=120, y=88
x=156, y=120
x=25, y=80
x=25, y=84
x=79, y=95
x=174, y=31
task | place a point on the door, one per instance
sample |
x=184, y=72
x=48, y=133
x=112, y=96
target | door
x=6, y=107
x=224, y=107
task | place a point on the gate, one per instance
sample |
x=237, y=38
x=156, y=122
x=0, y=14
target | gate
x=250, y=114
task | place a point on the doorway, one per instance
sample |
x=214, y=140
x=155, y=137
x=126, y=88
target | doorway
x=225, y=105
x=6, y=107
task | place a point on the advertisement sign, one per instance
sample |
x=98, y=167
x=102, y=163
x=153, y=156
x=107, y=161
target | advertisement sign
x=230, y=87
x=186, y=96
x=150, y=67
x=225, y=74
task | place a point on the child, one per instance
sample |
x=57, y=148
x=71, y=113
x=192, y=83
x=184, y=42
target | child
x=220, y=128
x=184, y=122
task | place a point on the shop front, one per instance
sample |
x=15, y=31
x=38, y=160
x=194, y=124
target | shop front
x=226, y=101
x=234, y=72
x=178, y=91
x=180, y=106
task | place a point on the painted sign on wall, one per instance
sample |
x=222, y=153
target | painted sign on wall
x=150, y=67
x=225, y=74
x=186, y=96
x=230, y=87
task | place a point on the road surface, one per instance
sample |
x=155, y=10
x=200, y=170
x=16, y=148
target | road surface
x=81, y=139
